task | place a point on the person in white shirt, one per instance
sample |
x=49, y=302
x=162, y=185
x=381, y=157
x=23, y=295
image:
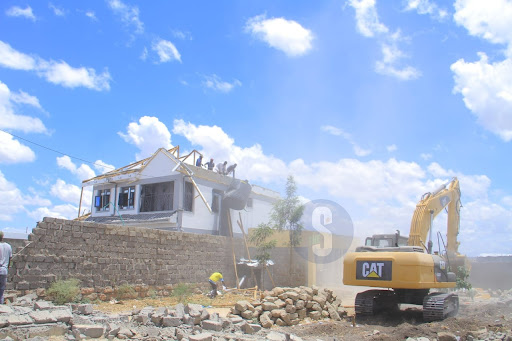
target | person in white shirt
x=221, y=168
x=5, y=260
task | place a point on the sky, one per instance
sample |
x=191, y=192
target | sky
x=366, y=103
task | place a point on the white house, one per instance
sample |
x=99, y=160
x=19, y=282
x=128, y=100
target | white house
x=165, y=192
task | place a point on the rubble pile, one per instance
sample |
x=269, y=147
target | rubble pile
x=288, y=306
x=30, y=319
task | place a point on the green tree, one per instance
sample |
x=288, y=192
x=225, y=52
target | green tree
x=285, y=216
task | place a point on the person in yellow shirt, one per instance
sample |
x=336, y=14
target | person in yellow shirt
x=214, y=278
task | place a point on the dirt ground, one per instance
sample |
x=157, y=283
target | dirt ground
x=481, y=312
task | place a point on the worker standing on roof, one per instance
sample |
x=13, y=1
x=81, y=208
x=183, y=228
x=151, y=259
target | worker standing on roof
x=231, y=169
x=199, y=162
x=221, y=168
x=214, y=278
x=210, y=165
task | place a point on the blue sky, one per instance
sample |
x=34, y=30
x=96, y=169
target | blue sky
x=367, y=103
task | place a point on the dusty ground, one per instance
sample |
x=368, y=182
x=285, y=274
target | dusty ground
x=482, y=312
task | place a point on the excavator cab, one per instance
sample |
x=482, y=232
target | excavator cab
x=386, y=240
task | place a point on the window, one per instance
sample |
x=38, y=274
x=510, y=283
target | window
x=216, y=197
x=102, y=199
x=157, y=197
x=188, y=199
x=126, y=198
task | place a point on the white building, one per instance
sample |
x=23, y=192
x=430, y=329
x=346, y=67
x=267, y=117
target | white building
x=165, y=192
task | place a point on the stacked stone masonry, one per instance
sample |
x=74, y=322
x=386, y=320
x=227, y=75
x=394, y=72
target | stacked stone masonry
x=110, y=255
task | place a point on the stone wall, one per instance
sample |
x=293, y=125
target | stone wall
x=109, y=255
x=102, y=256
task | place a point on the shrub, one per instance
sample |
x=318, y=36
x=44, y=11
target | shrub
x=126, y=291
x=64, y=291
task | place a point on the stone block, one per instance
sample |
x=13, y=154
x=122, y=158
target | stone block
x=268, y=306
x=43, y=305
x=446, y=336
x=41, y=316
x=171, y=321
x=62, y=315
x=4, y=322
x=242, y=305
x=89, y=330
x=18, y=320
x=5, y=309
x=201, y=337
x=212, y=325
x=85, y=309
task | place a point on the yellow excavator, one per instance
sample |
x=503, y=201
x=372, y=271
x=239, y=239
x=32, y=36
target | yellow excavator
x=408, y=267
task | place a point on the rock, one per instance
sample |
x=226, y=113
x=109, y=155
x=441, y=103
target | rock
x=179, y=310
x=42, y=317
x=290, y=308
x=242, y=305
x=212, y=325
x=43, y=305
x=315, y=315
x=141, y=318
x=85, y=309
x=89, y=330
x=446, y=336
x=268, y=306
x=18, y=320
x=265, y=320
x=236, y=319
x=205, y=315
x=277, y=291
x=277, y=312
x=4, y=322
x=316, y=306
x=300, y=304
x=156, y=319
x=201, y=337
x=247, y=314
x=293, y=295
x=171, y=321
x=5, y=309
x=280, y=322
x=320, y=300
x=62, y=315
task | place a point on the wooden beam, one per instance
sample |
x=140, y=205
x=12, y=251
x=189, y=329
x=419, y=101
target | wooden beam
x=239, y=222
x=233, y=247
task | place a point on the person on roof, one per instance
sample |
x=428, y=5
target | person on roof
x=231, y=169
x=221, y=168
x=210, y=165
x=214, y=278
x=199, y=162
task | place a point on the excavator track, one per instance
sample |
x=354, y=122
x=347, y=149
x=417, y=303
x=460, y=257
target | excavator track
x=438, y=306
x=372, y=301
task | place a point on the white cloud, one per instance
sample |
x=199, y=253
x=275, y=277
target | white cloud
x=215, y=83
x=62, y=73
x=382, y=194
x=369, y=25
x=426, y=156
x=487, y=91
x=491, y=21
x=12, y=151
x=10, y=120
x=91, y=15
x=103, y=167
x=66, y=192
x=427, y=7
x=12, y=59
x=391, y=55
x=83, y=172
x=16, y=11
x=215, y=143
x=24, y=98
x=56, y=10
x=148, y=135
x=166, y=51
x=66, y=211
x=59, y=73
x=13, y=201
x=391, y=148
x=144, y=54
x=367, y=18
x=282, y=34
x=129, y=15
x=358, y=150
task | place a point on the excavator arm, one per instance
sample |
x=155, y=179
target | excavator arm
x=430, y=205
